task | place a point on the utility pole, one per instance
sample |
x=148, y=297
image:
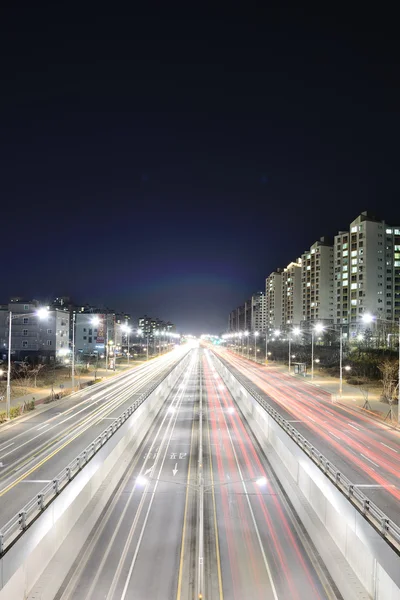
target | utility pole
x=73, y=351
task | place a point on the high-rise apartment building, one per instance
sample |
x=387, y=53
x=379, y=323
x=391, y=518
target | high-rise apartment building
x=317, y=283
x=273, y=300
x=367, y=271
x=291, y=303
x=249, y=316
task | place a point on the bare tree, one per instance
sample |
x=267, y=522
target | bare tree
x=389, y=372
x=35, y=372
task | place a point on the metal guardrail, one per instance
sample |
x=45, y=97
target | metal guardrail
x=385, y=526
x=35, y=507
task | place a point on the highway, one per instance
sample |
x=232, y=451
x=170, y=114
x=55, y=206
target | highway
x=146, y=544
x=33, y=450
x=365, y=450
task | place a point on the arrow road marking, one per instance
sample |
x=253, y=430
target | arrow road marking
x=175, y=470
x=149, y=470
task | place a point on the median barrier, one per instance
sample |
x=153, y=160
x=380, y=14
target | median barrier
x=31, y=539
x=356, y=540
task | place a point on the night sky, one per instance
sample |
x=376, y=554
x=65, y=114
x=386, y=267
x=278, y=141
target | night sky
x=164, y=161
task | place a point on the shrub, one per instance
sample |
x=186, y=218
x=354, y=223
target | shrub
x=15, y=411
x=30, y=405
x=3, y=416
x=355, y=381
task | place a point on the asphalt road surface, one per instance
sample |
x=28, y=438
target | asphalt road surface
x=146, y=544
x=363, y=449
x=34, y=450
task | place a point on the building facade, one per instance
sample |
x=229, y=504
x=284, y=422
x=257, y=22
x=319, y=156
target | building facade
x=273, y=300
x=367, y=272
x=317, y=270
x=291, y=303
x=93, y=331
x=34, y=338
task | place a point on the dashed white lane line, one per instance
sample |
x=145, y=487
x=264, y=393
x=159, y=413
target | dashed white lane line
x=390, y=447
x=371, y=461
x=336, y=436
x=353, y=426
x=4, y=447
x=43, y=426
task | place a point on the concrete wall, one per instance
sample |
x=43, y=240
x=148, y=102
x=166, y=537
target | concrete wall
x=359, y=560
x=24, y=562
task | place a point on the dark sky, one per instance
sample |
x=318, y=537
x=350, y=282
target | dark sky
x=164, y=161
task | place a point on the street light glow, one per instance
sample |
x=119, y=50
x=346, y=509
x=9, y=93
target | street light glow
x=95, y=320
x=42, y=313
x=277, y=333
x=319, y=327
x=347, y=368
x=261, y=481
x=142, y=481
x=296, y=331
x=367, y=318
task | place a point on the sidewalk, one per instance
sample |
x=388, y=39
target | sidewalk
x=352, y=397
x=39, y=395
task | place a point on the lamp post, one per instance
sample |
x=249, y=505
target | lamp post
x=295, y=331
x=256, y=334
x=246, y=333
x=317, y=329
x=127, y=330
x=41, y=313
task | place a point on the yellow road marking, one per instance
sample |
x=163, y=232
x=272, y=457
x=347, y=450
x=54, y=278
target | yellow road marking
x=178, y=595
x=106, y=411
x=221, y=594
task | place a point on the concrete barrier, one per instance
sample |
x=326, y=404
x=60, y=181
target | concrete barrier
x=360, y=561
x=27, y=558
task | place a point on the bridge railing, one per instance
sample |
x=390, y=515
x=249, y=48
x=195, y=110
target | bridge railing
x=386, y=527
x=32, y=510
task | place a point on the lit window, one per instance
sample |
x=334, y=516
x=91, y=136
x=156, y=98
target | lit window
x=397, y=232
x=308, y=268
x=353, y=302
x=353, y=261
x=345, y=246
x=397, y=263
x=308, y=284
x=345, y=268
x=346, y=282
x=354, y=269
x=353, y=286
x=345, y=253
x=344, y=275
x=388, y=231
x=354, y=229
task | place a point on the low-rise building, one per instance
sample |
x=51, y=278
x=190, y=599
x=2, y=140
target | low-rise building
x=33, y=337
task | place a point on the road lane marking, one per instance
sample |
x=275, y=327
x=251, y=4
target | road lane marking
x=36, y=481
x=371, y=461
x=88, y=553
x=334, y=435
x=242, y=481
x=311, y=419
x=4, y=447
x=373, y=485
x=85, y=423
x=353, y=426
x=43, y=426
x=221, y=594
x=390, y=447
x=179, y=588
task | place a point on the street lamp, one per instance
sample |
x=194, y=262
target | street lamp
x=317, y=329
x=256, y=334
x=127, y=330
x=41, y=313
x=295, y=331
x=246, y=333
